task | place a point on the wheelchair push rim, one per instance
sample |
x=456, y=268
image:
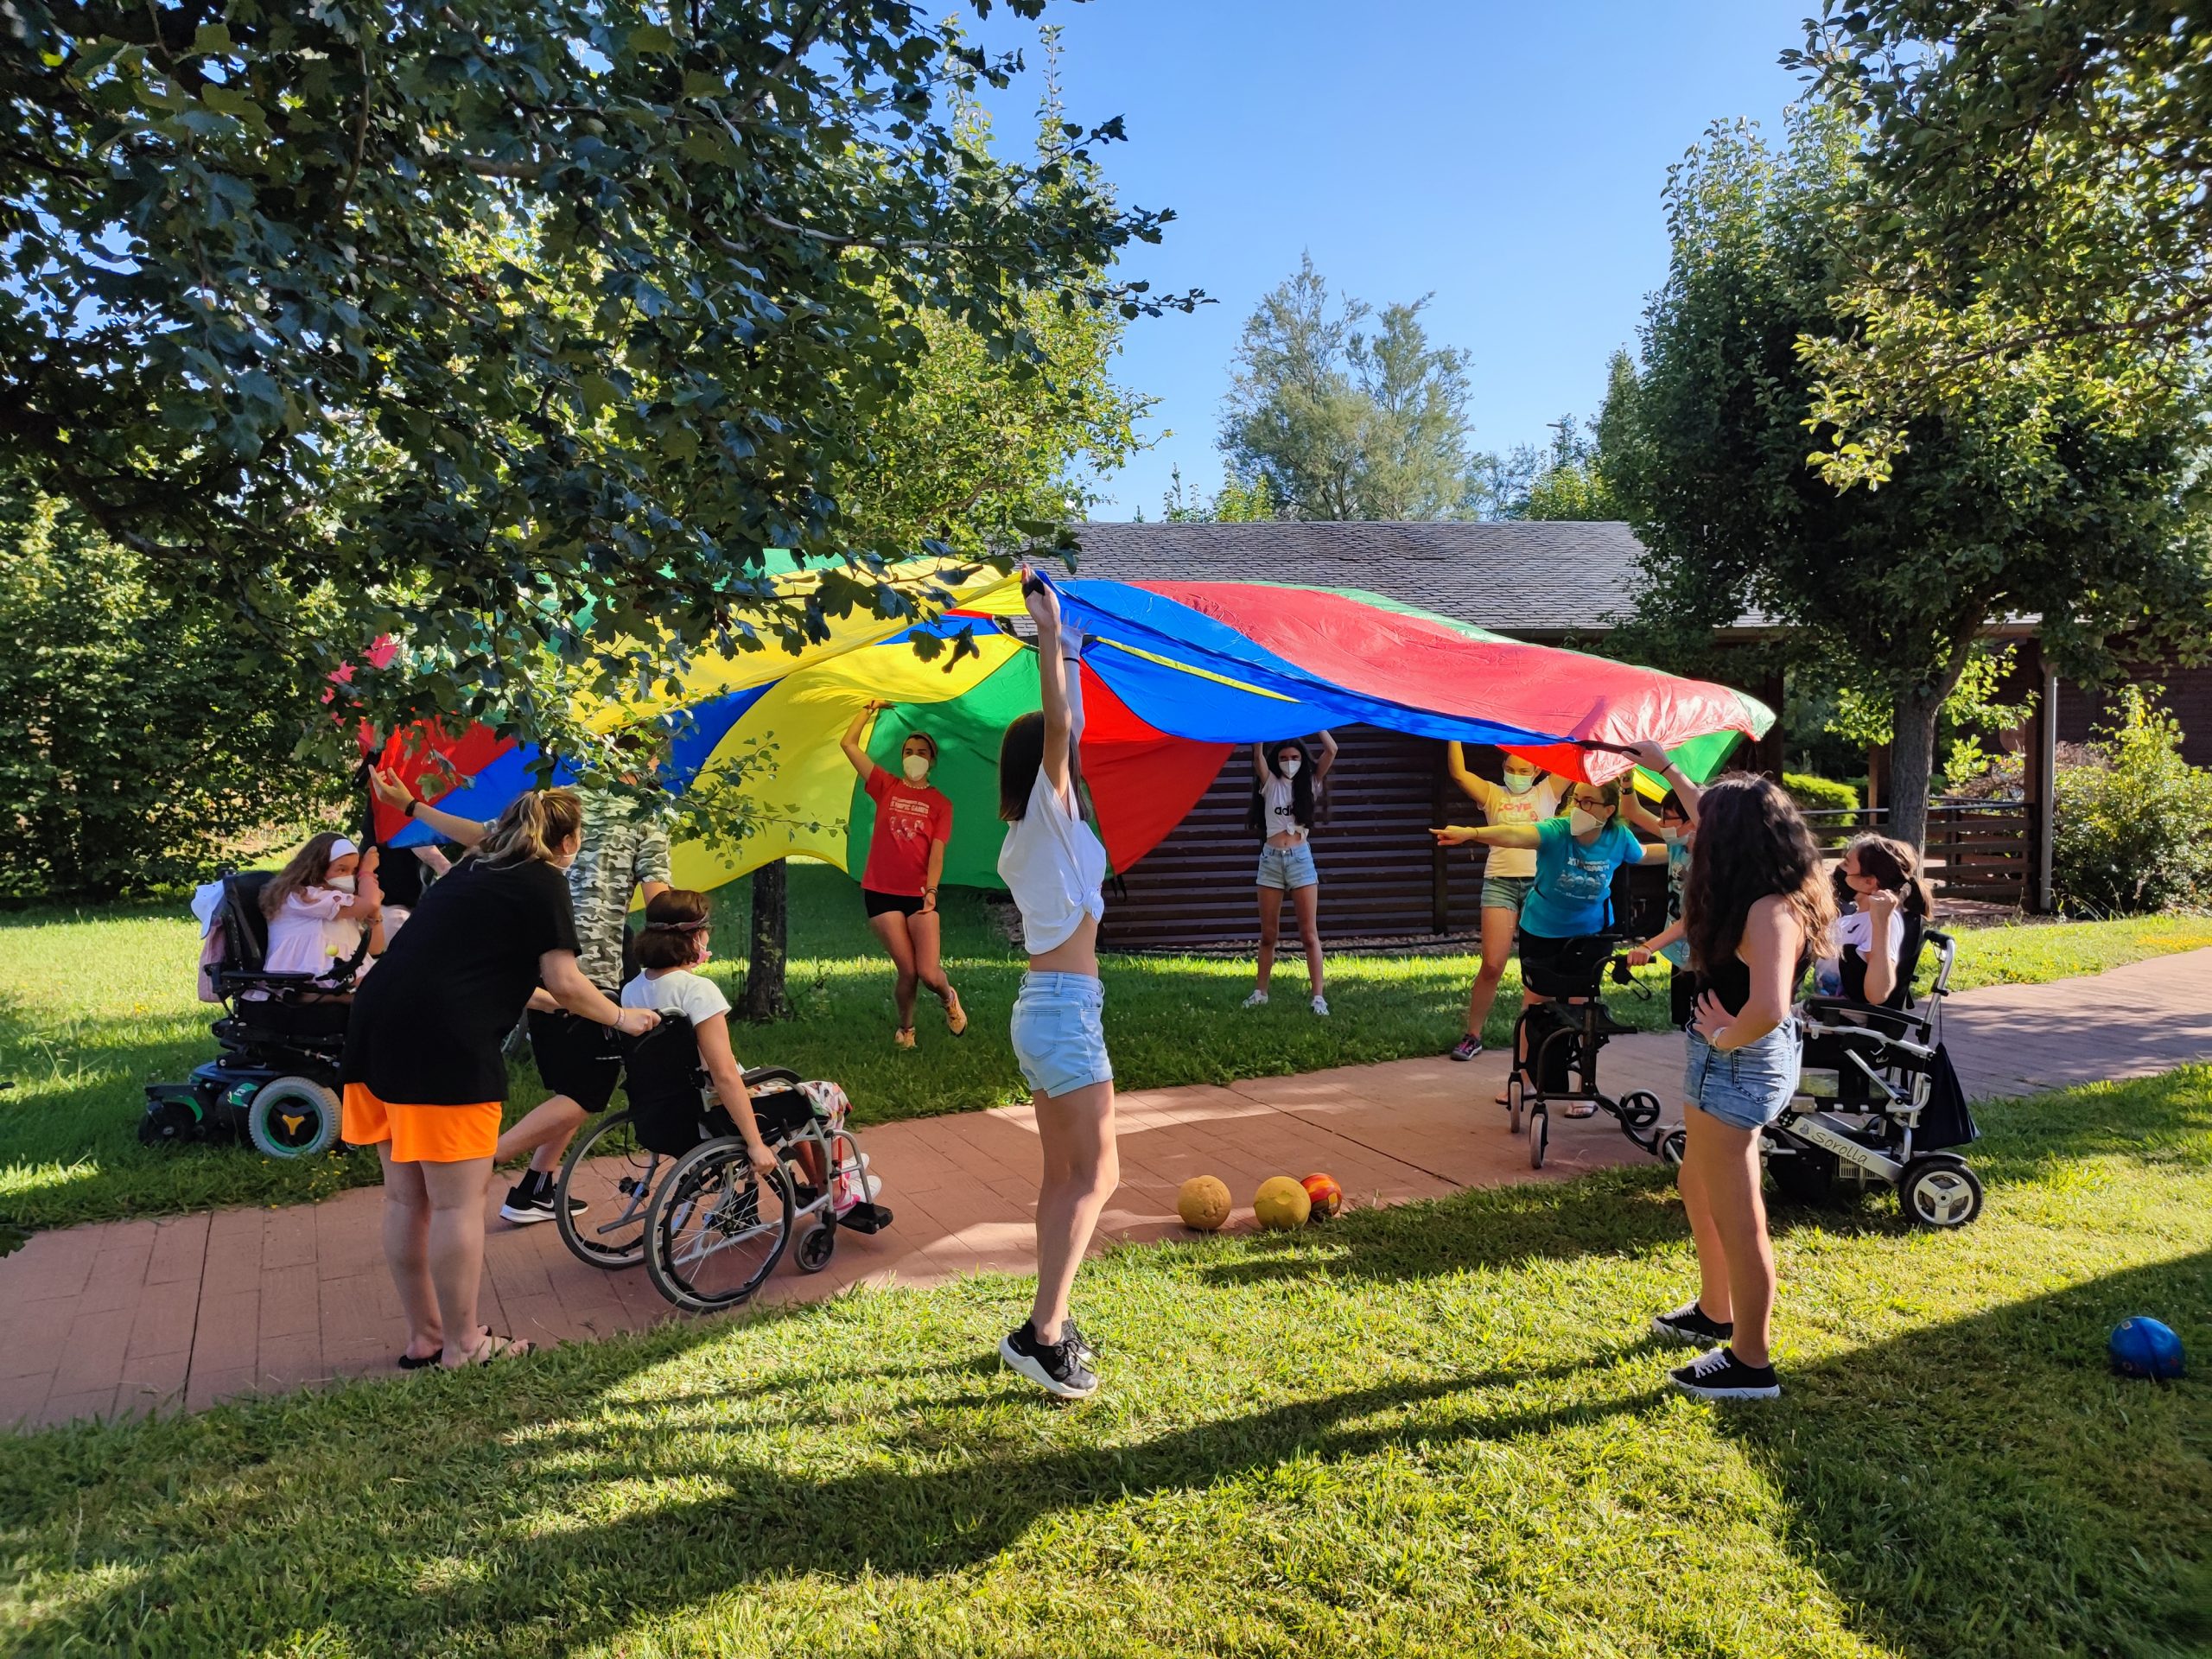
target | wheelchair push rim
x=615, y=1177
x=715, y=1230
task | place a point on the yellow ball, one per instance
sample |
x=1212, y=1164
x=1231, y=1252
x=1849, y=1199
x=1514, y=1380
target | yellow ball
x=1203, y=1203
x=1281, y=1202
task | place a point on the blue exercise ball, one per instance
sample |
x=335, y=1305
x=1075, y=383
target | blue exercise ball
x=2142, y=1347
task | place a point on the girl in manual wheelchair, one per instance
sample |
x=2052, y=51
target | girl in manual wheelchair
x=733, y=1162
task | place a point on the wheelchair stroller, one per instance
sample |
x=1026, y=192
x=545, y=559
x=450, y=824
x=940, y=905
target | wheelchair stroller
x=1561, y=1037
x=274, y=1081
x=667, y=1182
x=1878, y=1102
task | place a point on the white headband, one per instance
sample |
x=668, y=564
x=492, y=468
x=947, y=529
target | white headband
x=342, y=848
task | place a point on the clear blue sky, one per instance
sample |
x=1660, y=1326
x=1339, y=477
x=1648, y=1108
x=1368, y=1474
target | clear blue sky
x=1506, y=156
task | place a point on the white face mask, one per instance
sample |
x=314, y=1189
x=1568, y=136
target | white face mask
x=1673, y=836
x=1582, y=824
x=916, y=766
x=1520, y=783
x=1288, y=766
x=342, y=883
x=563, y=864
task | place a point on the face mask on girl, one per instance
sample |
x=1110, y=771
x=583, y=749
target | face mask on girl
x=342, y=883
x=916, y=766
x=1519, y=783
x=1288, y=766
x=1580, y=822
x=1673, y=835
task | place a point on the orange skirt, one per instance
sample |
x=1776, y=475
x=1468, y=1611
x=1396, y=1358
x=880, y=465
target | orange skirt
x=419, y=1135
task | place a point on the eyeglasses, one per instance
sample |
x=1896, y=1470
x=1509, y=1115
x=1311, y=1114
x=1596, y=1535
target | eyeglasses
x=1589, y=805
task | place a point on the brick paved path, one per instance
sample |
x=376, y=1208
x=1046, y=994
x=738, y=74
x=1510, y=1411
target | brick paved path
x=128, y=1316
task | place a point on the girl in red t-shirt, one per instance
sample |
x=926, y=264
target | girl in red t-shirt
x=906, y=855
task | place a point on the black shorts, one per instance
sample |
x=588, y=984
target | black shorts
x=576, y=1056
x=882, y=904
x=1569, y=967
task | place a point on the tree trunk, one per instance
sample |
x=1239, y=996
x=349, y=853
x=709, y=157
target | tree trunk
x=1912, y=761
x=764, y=996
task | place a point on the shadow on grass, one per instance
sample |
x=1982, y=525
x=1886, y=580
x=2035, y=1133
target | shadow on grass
x=1987, y=1487
x=949, y=1503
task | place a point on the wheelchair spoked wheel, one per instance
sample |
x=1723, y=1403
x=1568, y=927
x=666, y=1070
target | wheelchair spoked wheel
x=292, y=1118
x=715, y=1230
x=615, y=1177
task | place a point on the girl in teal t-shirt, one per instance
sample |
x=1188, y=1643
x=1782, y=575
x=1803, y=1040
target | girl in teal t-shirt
x=1570, y=896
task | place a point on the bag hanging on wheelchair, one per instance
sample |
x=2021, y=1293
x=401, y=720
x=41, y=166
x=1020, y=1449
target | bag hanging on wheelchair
x=1946, y=1119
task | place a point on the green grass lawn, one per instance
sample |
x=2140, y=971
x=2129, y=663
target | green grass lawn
x=1436, y=1430
x=95, y=1004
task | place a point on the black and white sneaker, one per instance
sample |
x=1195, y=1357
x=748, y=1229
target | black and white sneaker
x=530, y=1199
x=1085, y=1350
x=1056, y=1367
x=1720, y=1375
x=1688, y=1326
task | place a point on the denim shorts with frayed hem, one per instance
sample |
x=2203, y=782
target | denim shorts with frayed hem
x=1506, y=893
x=1060, y=1037
x=1288, y=867
x=1746, y=1088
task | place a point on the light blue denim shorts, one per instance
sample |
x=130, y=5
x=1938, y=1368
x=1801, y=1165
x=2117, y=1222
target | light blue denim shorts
x=1288, y=867
x=1058, y=1035
x=1506, y=893
x=1748, y=1088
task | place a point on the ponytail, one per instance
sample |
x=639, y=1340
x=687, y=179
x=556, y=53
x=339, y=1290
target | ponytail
x=534, y=826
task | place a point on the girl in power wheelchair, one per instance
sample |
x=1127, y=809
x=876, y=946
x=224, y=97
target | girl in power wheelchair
x=282, y=954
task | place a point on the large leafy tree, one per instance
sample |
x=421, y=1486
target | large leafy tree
x=1343, y=422
x=2031, y=499
x=2037, y=180
x=517, y=331
x=974, y=452
x=139, y=737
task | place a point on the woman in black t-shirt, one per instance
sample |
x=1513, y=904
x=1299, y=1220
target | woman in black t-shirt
x=424, y=1076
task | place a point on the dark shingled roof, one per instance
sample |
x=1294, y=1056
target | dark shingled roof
x=1551, y=577
x=1541, y=578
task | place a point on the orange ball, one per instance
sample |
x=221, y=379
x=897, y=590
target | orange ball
x=1327, y=1197
x=1203, y=1203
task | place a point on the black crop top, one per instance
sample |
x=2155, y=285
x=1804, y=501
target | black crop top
x=1729, y=981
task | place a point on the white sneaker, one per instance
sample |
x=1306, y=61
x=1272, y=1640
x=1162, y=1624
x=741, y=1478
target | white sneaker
x=1320, y=1005
x=1257, y=1000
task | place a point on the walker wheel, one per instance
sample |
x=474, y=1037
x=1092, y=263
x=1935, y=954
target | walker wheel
x=1640, y=1110
x=1672, y=1146
x=816, y=1248
x=1539, y=1136
x=1513, y=1102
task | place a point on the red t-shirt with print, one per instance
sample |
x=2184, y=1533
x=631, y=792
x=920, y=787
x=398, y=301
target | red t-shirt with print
x=906, y=821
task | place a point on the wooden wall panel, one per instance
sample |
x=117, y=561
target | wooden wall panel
x=1377, y=863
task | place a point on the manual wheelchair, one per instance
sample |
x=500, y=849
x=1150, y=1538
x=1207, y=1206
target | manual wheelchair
x=667, y=1182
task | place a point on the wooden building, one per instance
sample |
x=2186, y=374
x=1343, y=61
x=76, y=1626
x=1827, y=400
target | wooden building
x=1555, y=583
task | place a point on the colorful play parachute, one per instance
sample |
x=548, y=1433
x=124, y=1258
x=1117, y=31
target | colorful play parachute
x=1175, y=674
